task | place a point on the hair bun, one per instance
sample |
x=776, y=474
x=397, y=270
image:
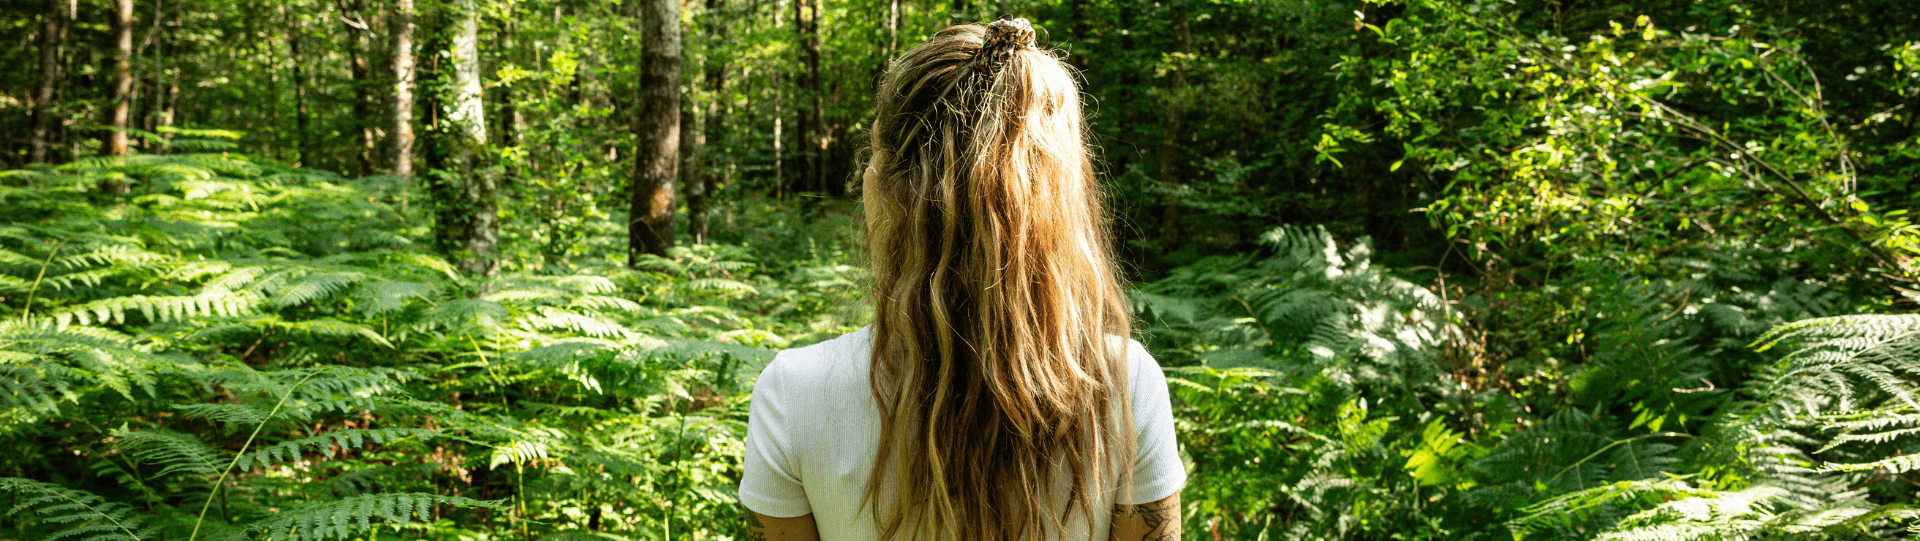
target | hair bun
x=1009, y=35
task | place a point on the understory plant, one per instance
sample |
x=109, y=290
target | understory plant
x=240, y=349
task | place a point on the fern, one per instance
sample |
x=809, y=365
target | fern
x=345, y=517
x=157, y=309
x=41, y=366
x=329, y=442
x=1852, y=376
x=382, y=297
x=174, y=452
x=79, y=515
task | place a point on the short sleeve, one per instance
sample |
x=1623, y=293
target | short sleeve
x=771, y=484
x=1157, y=471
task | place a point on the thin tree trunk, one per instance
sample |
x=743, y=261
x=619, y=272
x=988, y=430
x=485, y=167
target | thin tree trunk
x=818, y=96
x=509, y=132
x=302, y=116
x=962, y=12
x=693, y=142
x=116, y=140
x=475, y=222
x=656, y=129
x=779, y=145
x=780, y=175
x=359, y=48
x=147, y=116
x=893, y=28
x=711, y=136
x=803, y=129
x=806, y=22
x=52, y=34
x=1172, y=111
x=166, y=97
x=170, y=103
x=402, y=115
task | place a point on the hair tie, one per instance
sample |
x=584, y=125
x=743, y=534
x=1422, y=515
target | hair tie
x=1003, y=38
x=1009, y=35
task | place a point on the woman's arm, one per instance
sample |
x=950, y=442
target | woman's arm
x=800, y=528
x=1156, y=521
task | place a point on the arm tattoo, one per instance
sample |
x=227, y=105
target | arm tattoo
x=1162, y=519
x=756, y=530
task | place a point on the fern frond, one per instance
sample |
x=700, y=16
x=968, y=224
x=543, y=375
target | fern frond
x=346, y=439
x=720, y=286
x=550, y=318
x=602, y=302
x=1888, y=466
x=244, y=414
x=343, y=518
x=174, y=452
x=525, y=444
x=157, y=309
x=336, y=328
x=82, y=516
x=39, y=364
x=313, y=287
x=480, y=314
x=383, y=297
x=372, y=479
x=591, y=285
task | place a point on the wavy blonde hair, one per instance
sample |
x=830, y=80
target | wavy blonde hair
x=1001, y=381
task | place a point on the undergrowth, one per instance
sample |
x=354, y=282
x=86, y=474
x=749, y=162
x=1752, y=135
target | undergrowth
x=239, y=349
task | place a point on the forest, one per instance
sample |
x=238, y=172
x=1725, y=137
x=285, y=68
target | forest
x=507, y=269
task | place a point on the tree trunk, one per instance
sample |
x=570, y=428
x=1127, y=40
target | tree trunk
x=359, y=49
x=508, y=133
x=780, y=176
x=166, y=95
x=474, y=223
x=711, y=136
x=806, y=23
x=147, y=116
x=302, y=116
x=52, y=34
x=962, y=12
x=119, y=115
x=1172, y=111
x=693, y=144
x=657, y=131
x=893, y=28
x=118, y=122
x=402, y=28
x=169, y=103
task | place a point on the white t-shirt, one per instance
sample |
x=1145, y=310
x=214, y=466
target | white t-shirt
x=813, y=433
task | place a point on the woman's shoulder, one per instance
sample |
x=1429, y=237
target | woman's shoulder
x=834, y=360
x=1135, y=353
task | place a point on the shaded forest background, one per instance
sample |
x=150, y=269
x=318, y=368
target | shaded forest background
x=481, y=269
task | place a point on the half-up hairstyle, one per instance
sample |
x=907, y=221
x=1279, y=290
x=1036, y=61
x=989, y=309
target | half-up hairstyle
x=997, y=345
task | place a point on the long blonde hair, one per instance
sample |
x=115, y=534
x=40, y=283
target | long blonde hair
x=999, y=317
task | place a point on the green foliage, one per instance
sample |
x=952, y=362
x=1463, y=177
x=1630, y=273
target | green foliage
x=1830, y=395
x=1645, y=414
x=229, y=369
x=341, y=519
x=1639, y=137
x=80, y=515
x=1299, y=392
